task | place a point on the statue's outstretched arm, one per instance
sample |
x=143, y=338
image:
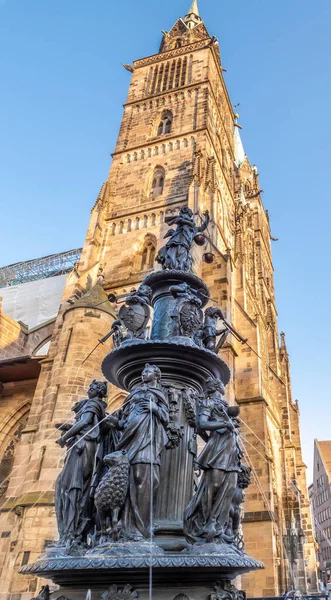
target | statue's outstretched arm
x=83, y=421
x=205, y=224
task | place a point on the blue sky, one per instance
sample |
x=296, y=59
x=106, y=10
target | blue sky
x=62, y=90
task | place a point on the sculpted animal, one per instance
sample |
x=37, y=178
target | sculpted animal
x=232, y=532
x=111, y=493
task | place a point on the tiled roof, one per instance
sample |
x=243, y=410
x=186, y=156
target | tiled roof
x=325, y=452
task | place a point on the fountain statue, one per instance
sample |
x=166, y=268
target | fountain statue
x=134, y=519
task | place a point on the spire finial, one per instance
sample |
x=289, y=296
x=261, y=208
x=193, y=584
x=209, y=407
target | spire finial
x=193, y=18
x=194, y=10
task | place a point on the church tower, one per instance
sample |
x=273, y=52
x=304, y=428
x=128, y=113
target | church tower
x=178, y=144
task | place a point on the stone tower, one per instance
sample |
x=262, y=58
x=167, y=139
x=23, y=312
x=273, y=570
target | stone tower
x=179, y=144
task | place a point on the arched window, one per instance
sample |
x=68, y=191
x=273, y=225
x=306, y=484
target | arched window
x=165, y=125
x=178, y=43
x=7, y=459
x=148, y=255
x=158, y=181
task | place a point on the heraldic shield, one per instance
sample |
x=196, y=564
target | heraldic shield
x=190, y=318
x=135, y=317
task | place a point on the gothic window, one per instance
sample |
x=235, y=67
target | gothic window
x=190, y=69
x=178, y=70
x=178, y=43
x=7, y=460
x=148, y=256
x=149, y=80
x=165, y=78
x=184, y=71
x=160, y=78
x=154, y=79
x=158, y=182
x=165, y=124
x=172, y=74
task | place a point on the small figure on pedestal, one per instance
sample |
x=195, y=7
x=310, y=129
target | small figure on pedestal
x=176, y=254
x=207, y=335
x=207, y=514
x=73, y=485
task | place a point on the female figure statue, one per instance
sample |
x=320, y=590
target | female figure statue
x=144, y=419
x=73, y=485
x=176, y=254
x=207, y=514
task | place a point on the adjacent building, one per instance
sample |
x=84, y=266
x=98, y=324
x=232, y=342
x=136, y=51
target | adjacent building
x=320, y=497
x=178, y=144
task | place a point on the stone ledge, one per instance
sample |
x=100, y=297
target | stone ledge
x=260, y=515
x=29, y=499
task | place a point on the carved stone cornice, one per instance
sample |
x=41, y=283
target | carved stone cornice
x=143, y=62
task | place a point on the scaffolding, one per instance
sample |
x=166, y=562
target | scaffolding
x=39, y=268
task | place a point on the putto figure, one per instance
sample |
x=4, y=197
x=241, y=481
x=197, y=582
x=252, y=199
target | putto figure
x=73, y=485
x=176, y=254
x=207, y=514
x=207, y=335
x=143, y=421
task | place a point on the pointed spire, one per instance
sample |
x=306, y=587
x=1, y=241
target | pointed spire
x=193, y=17
x=239, y=152
x=282, y=341
x=194, y=10
x=283, y=348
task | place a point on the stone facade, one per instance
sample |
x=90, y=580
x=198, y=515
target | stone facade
x=178, y=145
x=320, y=497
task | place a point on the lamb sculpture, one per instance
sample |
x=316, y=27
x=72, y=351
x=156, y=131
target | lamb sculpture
x=111, y=493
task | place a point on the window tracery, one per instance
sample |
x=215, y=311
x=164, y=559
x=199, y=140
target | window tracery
x=158, y=182
x=148, y=255
x=165, y=124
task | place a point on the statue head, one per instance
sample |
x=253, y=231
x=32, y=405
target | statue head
x=214, y=312
x=145, y=290
x=244, y=477
x=186, y=212
x=97, y=389
x=151, y=374
x=213, y=385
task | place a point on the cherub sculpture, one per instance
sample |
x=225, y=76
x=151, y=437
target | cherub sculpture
x=208, y=333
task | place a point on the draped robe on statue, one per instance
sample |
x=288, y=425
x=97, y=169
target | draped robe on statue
x=180, y=242
x=207, y=513
x=72, y=490
x=144, y=438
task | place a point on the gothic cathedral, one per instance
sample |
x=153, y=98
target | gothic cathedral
x=179, y=144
